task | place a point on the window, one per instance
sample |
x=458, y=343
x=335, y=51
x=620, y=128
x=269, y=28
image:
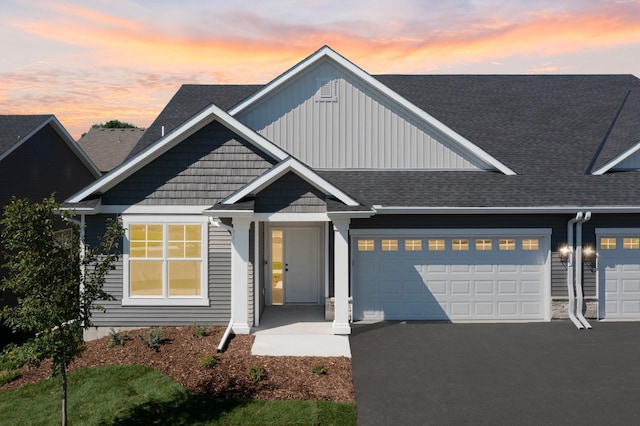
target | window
x=608, y=243
x=389, y=245
x=460, y=245
x=483, y=245
x=413, y=245
x=530, y=244
x=436, y=245
x=631, y=243
x=507, y=245
x=166, y=263
x=366, y=245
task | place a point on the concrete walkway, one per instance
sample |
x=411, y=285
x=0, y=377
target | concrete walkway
x=297, y=331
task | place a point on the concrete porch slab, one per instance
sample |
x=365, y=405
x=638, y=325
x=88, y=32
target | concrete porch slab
x=297, y=331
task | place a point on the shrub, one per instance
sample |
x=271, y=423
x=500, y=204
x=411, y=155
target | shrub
x=7, y=376
x=256, y=373
x=208, y=361
x=200, y=331
x=154, y=339
x=319, y=369
x=117, y=339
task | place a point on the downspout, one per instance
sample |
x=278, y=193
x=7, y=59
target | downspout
x=578, y=266
x=570, y=270
x=227, y=332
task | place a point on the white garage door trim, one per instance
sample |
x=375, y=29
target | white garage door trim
x=543, y=234
x=601, y=287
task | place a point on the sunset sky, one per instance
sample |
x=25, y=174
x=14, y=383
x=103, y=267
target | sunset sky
x=90, y=61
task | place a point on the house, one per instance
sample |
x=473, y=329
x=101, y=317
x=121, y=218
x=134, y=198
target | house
x=108, y=147
x=39, y=157
x=395, y=197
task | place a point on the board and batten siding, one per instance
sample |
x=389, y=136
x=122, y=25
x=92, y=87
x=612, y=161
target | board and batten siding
x=359, y=128
x=218, y=313
x=202, y=170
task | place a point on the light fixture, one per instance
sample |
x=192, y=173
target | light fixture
x=565, y=253
x=589, y=255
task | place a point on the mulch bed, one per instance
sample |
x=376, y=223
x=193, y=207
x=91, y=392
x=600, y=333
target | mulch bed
x=285, y=377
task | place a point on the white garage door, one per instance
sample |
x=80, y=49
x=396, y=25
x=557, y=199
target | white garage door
x=619, y=274
x=463, y=275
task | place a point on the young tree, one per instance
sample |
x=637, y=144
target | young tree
x=56, y=278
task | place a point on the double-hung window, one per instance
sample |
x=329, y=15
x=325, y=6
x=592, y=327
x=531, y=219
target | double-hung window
x=165, y=261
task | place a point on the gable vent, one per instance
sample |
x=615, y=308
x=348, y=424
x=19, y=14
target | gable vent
x=326, y=90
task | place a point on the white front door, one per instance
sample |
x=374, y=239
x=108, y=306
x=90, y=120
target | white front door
x=295, y=265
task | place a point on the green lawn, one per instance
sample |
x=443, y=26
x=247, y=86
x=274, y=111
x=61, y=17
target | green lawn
x=135, y=395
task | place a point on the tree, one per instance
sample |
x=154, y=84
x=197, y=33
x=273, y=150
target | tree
x=56, y=278
x=114, y=124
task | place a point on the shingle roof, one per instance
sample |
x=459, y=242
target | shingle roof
x=187, y=102
x=14, y=128
x=547, y=128
x=108, y=148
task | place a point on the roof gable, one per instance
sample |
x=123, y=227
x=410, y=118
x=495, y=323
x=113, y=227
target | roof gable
x=441, y=147
x=181, y=133
x=287, y=166
x=16, y=130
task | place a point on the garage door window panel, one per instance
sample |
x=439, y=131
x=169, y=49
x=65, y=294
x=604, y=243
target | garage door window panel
x=631, y=243
x=607, y=243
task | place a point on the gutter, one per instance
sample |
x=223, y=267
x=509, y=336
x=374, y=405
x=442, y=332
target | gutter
x=578, y=266
x=570, y=270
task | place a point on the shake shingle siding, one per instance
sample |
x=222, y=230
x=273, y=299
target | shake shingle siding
x=290, y=194
x=219, y=288
x=199, y=171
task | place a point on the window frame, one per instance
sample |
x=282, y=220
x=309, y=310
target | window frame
x=165, y=299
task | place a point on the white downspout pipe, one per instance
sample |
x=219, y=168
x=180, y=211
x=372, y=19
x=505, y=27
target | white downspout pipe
x=570, y=270
x=227, y=332
x=578, y=266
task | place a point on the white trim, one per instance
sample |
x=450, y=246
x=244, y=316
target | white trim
x=617, y=231
x=325, y=230
x=256, y=273
x=507, y=210
x=291, y=164
x=471, y=232
x=617, y=160
x=182, y=132
x=327, y=52
x=291, y=217
x=202, y=300
x=151, y=210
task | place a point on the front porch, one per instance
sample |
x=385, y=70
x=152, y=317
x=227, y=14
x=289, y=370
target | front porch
x=297, y=330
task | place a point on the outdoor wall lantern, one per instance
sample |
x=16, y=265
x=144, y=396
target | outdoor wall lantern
x=565, y=252
x=589, y=256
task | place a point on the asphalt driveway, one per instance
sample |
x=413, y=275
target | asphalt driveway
x=512, y=374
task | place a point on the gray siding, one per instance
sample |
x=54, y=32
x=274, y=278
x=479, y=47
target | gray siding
x=218, y=313
x=290, y=194
x=359, y=128
x=201, y=170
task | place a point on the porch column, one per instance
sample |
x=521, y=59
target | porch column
x=240, y=275
x=341, y=276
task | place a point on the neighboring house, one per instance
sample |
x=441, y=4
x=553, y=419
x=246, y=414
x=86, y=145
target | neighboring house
x=39, y=157
x=412, y=197
x=108, y=147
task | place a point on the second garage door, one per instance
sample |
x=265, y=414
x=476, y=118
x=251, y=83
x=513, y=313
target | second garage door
x=459, y=275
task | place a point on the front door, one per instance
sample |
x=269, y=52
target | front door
x=295, y=265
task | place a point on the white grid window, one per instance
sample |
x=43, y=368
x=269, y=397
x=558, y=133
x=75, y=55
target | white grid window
x=366, y=245
x=483, y=245
x=631, y=243
x=507, y=245
x=530, y=244
x=460, y=245
x=413, y=245
x=436, y=245
x=389, y=245
x=608, y=243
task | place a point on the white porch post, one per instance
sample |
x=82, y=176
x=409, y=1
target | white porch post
x=341, y=276
x=240, y=275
